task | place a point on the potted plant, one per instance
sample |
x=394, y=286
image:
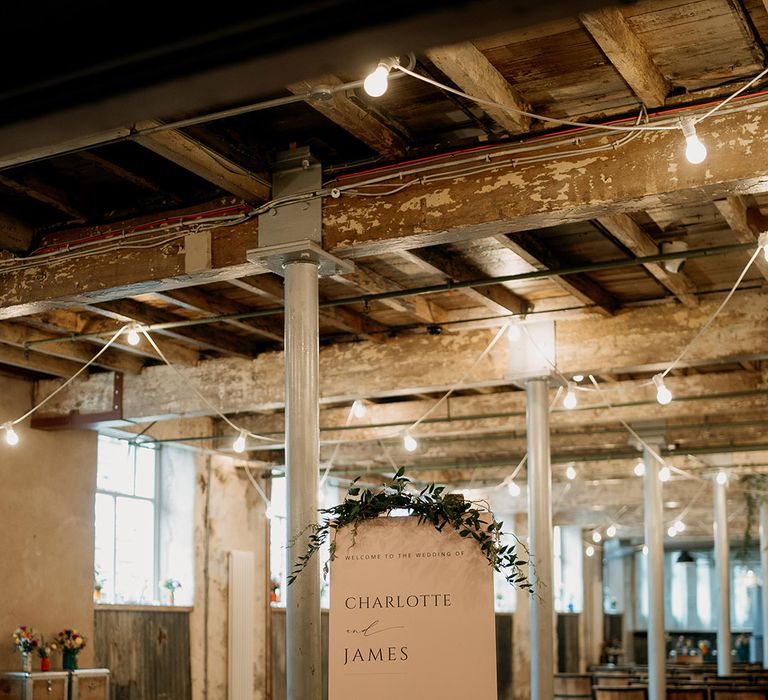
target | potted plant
x=26, y=641
x=71, y=643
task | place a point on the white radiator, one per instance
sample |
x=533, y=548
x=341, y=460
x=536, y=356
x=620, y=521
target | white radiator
x=242, y=622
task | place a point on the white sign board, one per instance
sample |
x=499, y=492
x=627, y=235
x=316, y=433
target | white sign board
x=411, y=614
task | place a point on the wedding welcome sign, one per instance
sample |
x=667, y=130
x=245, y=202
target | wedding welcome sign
x=411, y=614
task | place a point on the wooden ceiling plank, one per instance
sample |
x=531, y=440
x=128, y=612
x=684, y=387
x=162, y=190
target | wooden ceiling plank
x=581, y=286
x=15, y=235
x=192, y=155
x=205, y=301
x=351, y=117
x=629, y=233
x=746, y=223
x=45, y=193
x=468, y=68
x=459, y=268
x=37, y=362
x=628, y=54
x=19, y=335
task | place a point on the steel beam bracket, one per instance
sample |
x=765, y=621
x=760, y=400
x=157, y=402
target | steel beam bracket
x=275, y=258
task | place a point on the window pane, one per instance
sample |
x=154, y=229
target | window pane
x=703, y=592
x=104, y=555
x=115, y=468
x=135, y=564
x=145, y=472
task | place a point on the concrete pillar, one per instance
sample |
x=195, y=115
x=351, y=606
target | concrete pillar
x=302, y=454
x=654, y=541
x=723, y=569
x=540, y=538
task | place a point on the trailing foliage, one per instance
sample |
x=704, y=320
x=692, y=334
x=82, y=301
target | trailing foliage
x=431, y=505
x=755, y=489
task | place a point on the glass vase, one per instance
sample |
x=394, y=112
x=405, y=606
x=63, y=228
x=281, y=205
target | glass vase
x=69, y=660
x=45, y=664
x=26, y=662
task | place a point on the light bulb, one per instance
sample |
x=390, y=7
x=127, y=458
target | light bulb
x=762, y=242
x=239, y=444
x=578, y=378
x=597, y=538
x=611, y=531
x=639, y=469
x=358, y=409
x=671, y=531
x=377, y=82
x=645, y=550
x=11, y=436
x=513, y=332
x=695, y=150
x=133, y=336
x=570, y=401
x=268, y=511
x=680, y=526
x=722, y=478
x=663, y=395
x=570, y=472
x=514, y=489
x=409, y=443
x=664, y=474
x=590, y=551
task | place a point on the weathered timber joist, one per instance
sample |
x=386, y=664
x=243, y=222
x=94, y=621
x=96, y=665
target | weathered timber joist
x=414, y=364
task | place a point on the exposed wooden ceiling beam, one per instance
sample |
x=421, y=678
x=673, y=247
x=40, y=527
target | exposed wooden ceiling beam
x=192, y=155
x=352, y=117
x=747, y=224
x=418, y=363
x=459, y=268
x=610, y=29
x=645, y=174
x=15, y=236
x=468, y=68
x=631, y=235
x=44, y=193
x=528, y=247
x=205, y=301
x=37, y=362
x=81, y=352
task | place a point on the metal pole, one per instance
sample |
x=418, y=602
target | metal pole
x=764, y=563
x=540, y=540
x=723, y=566
x=654, y=541
x=302, y=436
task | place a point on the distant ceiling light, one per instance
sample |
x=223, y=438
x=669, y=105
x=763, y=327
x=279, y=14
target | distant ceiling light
x=570, y=401
x=514, y=489
x=239, y=444
x=358, y=409
x=695, y=150
x=570, y=472
x=597, y=538
x=663, y=395
x=676, y=264
x=11, y=436
x=578, y=378
x=377, y=82
x=590, y=552
x=611, y=531
x=665, y=473
x=685, y=558
x=410, y=443
x=721, y=478
x=639, y=469
x=133, y=336
x=679, y=526
x=671, y=531
x=645, y=550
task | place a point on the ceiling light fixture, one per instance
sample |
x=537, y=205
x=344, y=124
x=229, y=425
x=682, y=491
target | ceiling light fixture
x=239, y=444
x=377, y=81
x=514, y=489
x=358, y=409
x=11, y=436
x=639, y=469
x=721, y=478
x=570, y=472
x=671, y=531
x=665, y=473
x=410, y=443
x=570, y=401
x=695, y=150
x=597, y=538
x=133, y=335
x=663, y=394
x=590, y=551
x=611, y=531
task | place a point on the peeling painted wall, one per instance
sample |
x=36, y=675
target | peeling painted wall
x=229, y=515
x=46, y=520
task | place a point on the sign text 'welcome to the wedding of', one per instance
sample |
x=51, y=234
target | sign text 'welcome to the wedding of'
x=411, y=614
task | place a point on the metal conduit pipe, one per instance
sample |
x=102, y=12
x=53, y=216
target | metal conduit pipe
x=367, y=299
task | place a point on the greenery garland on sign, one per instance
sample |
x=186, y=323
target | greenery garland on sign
x=431, y=505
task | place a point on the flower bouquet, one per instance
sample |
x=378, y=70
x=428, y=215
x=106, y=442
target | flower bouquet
x=26, y=641
x=71, y=643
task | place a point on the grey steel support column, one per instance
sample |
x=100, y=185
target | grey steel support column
x=723, y=567
x=764, y=563
x=654, y=541
x=540, y=540
x=302, y=454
